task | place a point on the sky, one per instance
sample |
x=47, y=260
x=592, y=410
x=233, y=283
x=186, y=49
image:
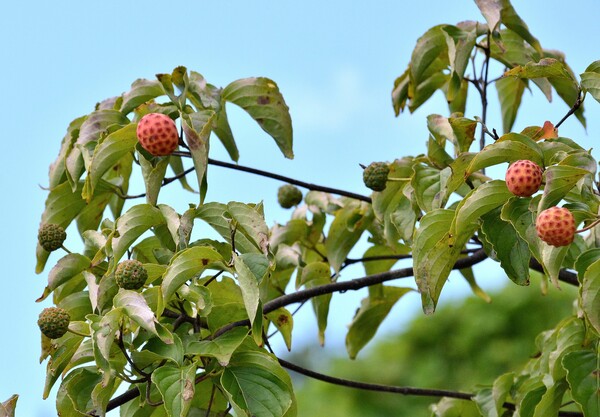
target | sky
x=335, y=63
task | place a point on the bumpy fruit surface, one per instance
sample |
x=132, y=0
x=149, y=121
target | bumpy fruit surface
x=51, y=236
x=289, y=196
x=54, y=322
x=556, y=226
x=157, y=134
x=131, y=274
x=523, y=178
x=375, y=175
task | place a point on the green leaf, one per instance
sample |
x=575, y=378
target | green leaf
x=135, y=306
x=510, y=91
x=74, y=397
x=550, y=403
x=7, y=408
x=284, y=322
x=370, y=315
x=460, y=46
x=66, y=268
x=427, y=183
x=544, y=68
x=590, y=80
x=57, y=171
x=223, y=131
x=428, y=48
x=62, y=206
x=153, y=173
x=400, y=92
x=513, y=22
x=313, y=275
x=106, y=154
x=509, y=247
x=214, y=215
x=508, y=148
x=559, y=180
x=197, y=127
x=131, y=225
x=261, y=99
x=346, y=229
x=256, y=385
x=250, y=222
x=590, y=295
x=490, y=400
x=451, y=407
x=155, y=351
x=142, y=90
x=251, y=269
x=582, y=374
x=59, y=360
x=393, y=208
x=433, y=228
x=189, y=263
x=221, y=347
x=177, y=387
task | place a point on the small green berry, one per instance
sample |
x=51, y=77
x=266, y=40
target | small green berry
x=54, y=322
x=131, y=274
x=51, y=236
x=375, y=175
x=289, y=196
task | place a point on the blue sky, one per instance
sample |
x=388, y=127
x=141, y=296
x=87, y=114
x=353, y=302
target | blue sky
x=335, y=63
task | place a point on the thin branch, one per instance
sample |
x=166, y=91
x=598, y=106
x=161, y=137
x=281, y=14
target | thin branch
x=342, y=286
x=412, y=391
x=313, y=187
x=483, y=91
x=164, y=182
x=422, y=392
x=572, y=110
x=351, y=261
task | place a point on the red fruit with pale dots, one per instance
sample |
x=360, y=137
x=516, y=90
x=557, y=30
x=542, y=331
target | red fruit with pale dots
x=556, y=226
x=523, y=178
x=157, y=134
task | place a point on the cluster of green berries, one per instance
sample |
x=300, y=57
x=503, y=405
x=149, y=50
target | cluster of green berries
x=131, y=274
x=51, y=236
x=289, y=196
x=375, y=175
x=54, y=322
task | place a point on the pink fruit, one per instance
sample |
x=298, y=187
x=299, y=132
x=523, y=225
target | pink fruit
x=157, y=134
x=523, y=178
x=556, y=226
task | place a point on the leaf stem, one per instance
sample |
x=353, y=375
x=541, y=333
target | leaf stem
x=572, y=110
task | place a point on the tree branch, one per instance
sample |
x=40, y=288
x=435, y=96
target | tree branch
x=313, y=187
x=572, y=110
x=412, y=391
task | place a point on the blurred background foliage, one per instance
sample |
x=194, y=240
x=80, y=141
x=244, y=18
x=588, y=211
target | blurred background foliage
x=464, y=344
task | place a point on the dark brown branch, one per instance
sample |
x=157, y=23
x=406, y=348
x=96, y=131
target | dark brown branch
x=572, y=110
x=313, y=187
x=483, y=91
x=422, y=392
x=412, y=391
x=342, y=286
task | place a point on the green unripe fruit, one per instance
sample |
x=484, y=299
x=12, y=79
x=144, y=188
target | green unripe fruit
x=54, y=322
x=289, y=196
x=375, y=175
x=131, y=274
x=51, y=236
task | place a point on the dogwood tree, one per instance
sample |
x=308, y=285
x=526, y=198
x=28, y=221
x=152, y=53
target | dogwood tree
x=180, y=323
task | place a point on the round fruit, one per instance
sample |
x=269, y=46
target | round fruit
x=556, y=226
x=375, y=175
x=523, y=178
x=51, y=236
x=131, y=274
x=54, y=322
x=289, y=196
x=157, y=134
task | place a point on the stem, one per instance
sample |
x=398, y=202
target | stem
x=483, y=91
x=589, y=226
x=572, y=110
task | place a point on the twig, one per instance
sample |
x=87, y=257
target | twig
x=572, y=110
